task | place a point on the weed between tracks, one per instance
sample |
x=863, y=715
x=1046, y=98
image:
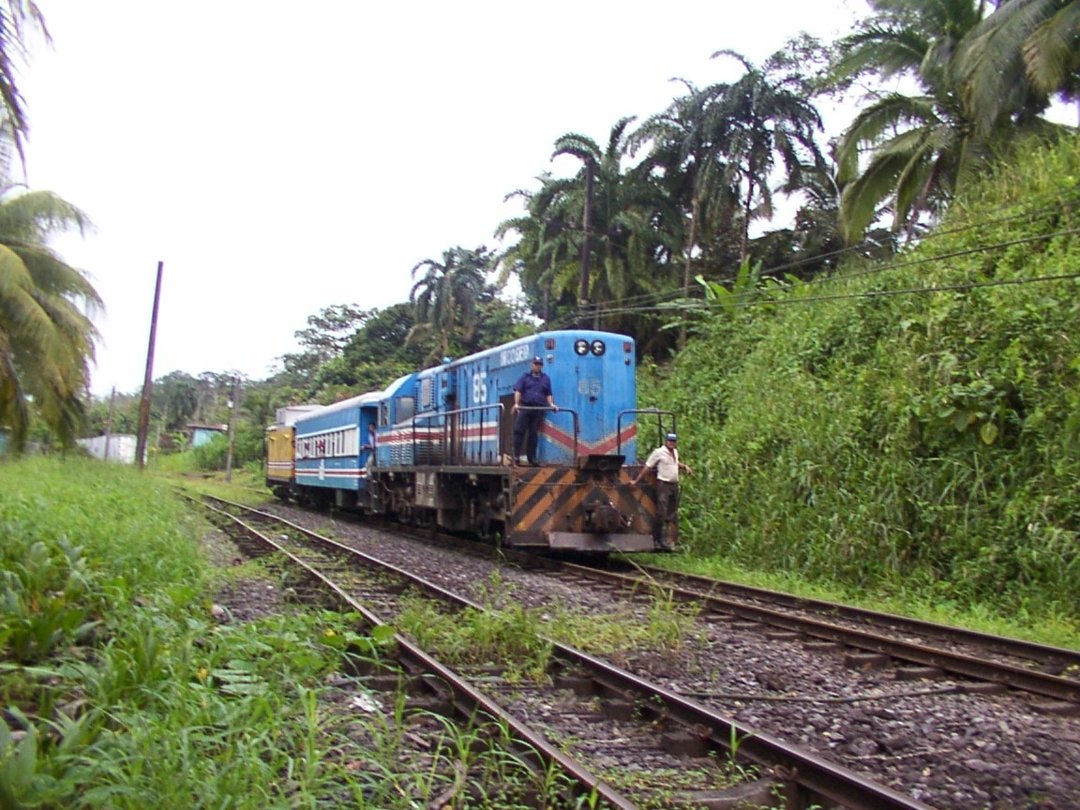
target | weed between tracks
x=518, y=640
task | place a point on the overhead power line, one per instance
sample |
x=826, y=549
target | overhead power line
x=656, y=304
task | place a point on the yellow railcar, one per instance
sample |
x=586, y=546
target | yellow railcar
x=279, y=458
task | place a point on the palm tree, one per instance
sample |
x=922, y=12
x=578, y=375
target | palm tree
x=46, y=340
x=1012, y=62
x=534, y=259
x=686, y=146
x=15, y=16
x=547, y=255
x=445, y=298
x=923, y=147
x=768, y=117
x=919, y=144
x=610, y=217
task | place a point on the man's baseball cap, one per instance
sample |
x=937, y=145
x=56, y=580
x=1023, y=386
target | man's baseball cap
x=671, y=437
x=538, y=359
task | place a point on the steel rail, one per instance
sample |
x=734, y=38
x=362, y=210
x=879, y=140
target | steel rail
x=820, y=777
x=1028, y=680
x=814, y=778
x=1019, y=648
x=471, y=701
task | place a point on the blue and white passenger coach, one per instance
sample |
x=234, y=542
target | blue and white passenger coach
x=333, y=453
x=444, y=449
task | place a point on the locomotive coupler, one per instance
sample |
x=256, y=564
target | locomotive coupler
x=604, y=518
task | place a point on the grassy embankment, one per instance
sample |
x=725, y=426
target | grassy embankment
x=120, y=690
x=905, y=434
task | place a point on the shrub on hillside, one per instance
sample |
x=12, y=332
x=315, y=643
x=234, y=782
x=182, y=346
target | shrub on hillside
x=912, y=422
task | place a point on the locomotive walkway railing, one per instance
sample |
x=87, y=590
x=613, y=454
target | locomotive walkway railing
x=570, y=411
x=463, y=439
x=660, y=431
x=455, y=427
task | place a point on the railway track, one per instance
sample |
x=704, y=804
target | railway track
x=921, y=649
x=947, y=741
x=640, y=735
x=929, y=649
x=937, y=650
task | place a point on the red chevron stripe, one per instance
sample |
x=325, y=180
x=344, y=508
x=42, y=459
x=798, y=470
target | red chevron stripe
x=604, y=446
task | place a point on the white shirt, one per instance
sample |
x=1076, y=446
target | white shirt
x=666, y=464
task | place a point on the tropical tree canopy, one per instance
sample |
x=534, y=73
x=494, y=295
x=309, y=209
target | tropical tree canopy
x=15, y=17
x=446, y=297
x=768, y=118
x=46, y=336
x=919, y=144
x=685, y=150
x=593, y=246
x=1015, y=60
x=982, y=79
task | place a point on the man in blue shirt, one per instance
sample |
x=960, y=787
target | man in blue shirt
x=532, y=396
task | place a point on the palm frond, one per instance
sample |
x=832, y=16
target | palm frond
x=872, y=124
x=1052, y=51
x=989, y=67
x=577, y=145
x=889, y=51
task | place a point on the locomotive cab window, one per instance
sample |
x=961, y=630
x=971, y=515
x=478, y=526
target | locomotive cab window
x=427, y=394
x=406, y=407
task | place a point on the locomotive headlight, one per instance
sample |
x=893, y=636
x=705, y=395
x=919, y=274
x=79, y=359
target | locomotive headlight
x=581, y=347
x=598, y=347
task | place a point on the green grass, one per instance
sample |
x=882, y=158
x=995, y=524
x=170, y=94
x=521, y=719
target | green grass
x=119, y=690
x=247, y=484
x=504, y=633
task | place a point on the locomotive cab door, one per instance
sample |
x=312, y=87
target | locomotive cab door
x=506, y=427
x=455, y=452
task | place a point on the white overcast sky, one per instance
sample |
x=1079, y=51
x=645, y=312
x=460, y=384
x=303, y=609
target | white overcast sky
x=280, y=157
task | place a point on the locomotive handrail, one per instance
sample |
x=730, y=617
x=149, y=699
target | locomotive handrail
x=412, y=431
x=646, y=411
x=446, y=424
x=445, y=415
x=560, y=410
x=481, y=408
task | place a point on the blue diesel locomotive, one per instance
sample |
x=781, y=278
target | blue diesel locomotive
x=435, y=448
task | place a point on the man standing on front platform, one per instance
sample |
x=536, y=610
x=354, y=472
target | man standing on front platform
x=665, y=462
x=532, y=396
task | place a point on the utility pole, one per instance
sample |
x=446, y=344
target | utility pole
x=108, y=422
x=148, y=380
x=234, y=406
x=586, y=226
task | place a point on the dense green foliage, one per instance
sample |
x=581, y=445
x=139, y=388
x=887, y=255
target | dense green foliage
x=910, y=424
x=975, y=100
x=112, y=665
x=120, y=689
